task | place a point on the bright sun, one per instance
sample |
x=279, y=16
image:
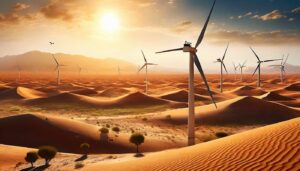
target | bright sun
x=109, y=22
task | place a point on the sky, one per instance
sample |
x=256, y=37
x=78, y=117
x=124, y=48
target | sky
x=121, y=28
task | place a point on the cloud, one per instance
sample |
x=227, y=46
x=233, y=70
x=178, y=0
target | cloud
x=296, y=10
x=58, y=9
x=291, y=19
x=273, y=15
x=20, y=6
x=182, y=26
x=245, y=15
x=269, y=38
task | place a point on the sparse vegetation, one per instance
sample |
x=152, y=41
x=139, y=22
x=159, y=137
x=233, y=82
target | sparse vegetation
x=168, y=117
x=79, y=165
x=104, y=130
x=221, y=134
x=85, y=148
x=47, y=153
x=31, y=157
x=107, y=126
x=137, y=139
x=116, y=129
x=145, y=119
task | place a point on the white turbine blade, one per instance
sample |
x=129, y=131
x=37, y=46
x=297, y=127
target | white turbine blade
x=201, y=36
x=244, y=63
x=151, y=64
x=286, y=59
x=55, y=60
x=198, y=65
x=171, y=50
x=224, y=66
x=144, y=56
x=255, y=54
x=256, y=69
x=225, y=52
x=142, y=67
x=272, y=60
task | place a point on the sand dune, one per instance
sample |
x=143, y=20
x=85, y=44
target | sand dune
x=85, y=91
x=247, y=91
x=113, y=92
x=293, y=87
x=272, y=96
x=20, y=93
x=182, y=96
x=66, y=135
x=274, y=147
x=241, y=110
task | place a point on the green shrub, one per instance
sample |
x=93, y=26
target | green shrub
x=47, y=153
x=31, y=157
x=221, y=134
x=104, y=130
x=137, y=139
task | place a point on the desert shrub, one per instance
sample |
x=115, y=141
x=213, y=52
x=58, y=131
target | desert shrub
x=107, y=126
x=221, y=134
x=104, y=130
x=79, y=165
x=168, y=117
x=137, y=139
x=31, y=157
x=116, y=129
x=145, y=119
x=47, y=153
x=85, y=148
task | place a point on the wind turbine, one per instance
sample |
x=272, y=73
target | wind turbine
x=282, y=67
x=222, y=66
x=235, y=70
x=241, y=69
x=146, y=64
x=57, y=69
x=194, y=60
x=259, y=62
x=19, y=73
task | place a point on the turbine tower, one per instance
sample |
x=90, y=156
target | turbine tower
x=259, y=62
x=222, y=66
x=19, y=73
x=57, y=69
x=146, y=64
x=241, y=69
x=235, y=70
x=282, y=68
x=193, y=60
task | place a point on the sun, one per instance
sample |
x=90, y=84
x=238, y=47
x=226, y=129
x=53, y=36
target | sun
x=109, y=22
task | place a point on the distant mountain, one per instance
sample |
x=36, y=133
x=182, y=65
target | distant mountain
x=290, y=69
x=43, y=62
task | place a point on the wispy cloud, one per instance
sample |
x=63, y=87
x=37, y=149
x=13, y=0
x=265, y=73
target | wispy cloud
x=296, y=10
x=273, y=15
x=20, y=6
x=182, y=26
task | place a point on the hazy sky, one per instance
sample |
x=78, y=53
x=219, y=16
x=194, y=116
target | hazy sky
x=272, y=27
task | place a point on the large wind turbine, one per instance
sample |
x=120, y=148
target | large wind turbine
x=58, y=65
x=259, y=62
x=282, y=68
x=146, y=64
x=222, y=66
x=194, y=60
x=235, y=67
x=241, y=69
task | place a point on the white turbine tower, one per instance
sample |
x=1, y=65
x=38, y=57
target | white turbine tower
x=146, y=64
x=235, y=70
x=193, y=60
x=282, y=68
x=241, y=69
x=222, y=66
x=259, y=62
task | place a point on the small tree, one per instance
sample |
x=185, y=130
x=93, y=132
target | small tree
x=116, y=129
x=31, y=157
x=85, y=148
x=104, y=130
x=47, y=153
x=137, y=139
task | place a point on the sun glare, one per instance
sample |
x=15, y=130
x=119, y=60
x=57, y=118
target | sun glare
x=109, y=22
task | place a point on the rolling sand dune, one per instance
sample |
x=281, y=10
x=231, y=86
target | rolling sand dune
x=85, y=91
x=182, y=96
x=113, y=92
x=293, y=87
x=274, y=147
x=241, y=110
x=20, y=93
x=66, y=135
x=247, y=91
x=272, y=96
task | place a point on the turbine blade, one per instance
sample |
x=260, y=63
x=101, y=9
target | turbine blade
x=244, y=63
x=198, y=65
x=255, y=70
x=201, y=36
x=224, y=67
x=151, y=64
x=271, y=60
x=170, y=50
x=286, y=59
x=55, y=60
x=142, y=67
x=144, y=56
x=225, y=52
x=255, y=54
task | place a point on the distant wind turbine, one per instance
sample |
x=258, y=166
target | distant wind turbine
x=58, y=65
x=241, y=69
x=222, y=66
x=259, y=62
x=19, y=73
x=194, y=61
x=235, y=70
x=282, y=68
x=146, y=64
